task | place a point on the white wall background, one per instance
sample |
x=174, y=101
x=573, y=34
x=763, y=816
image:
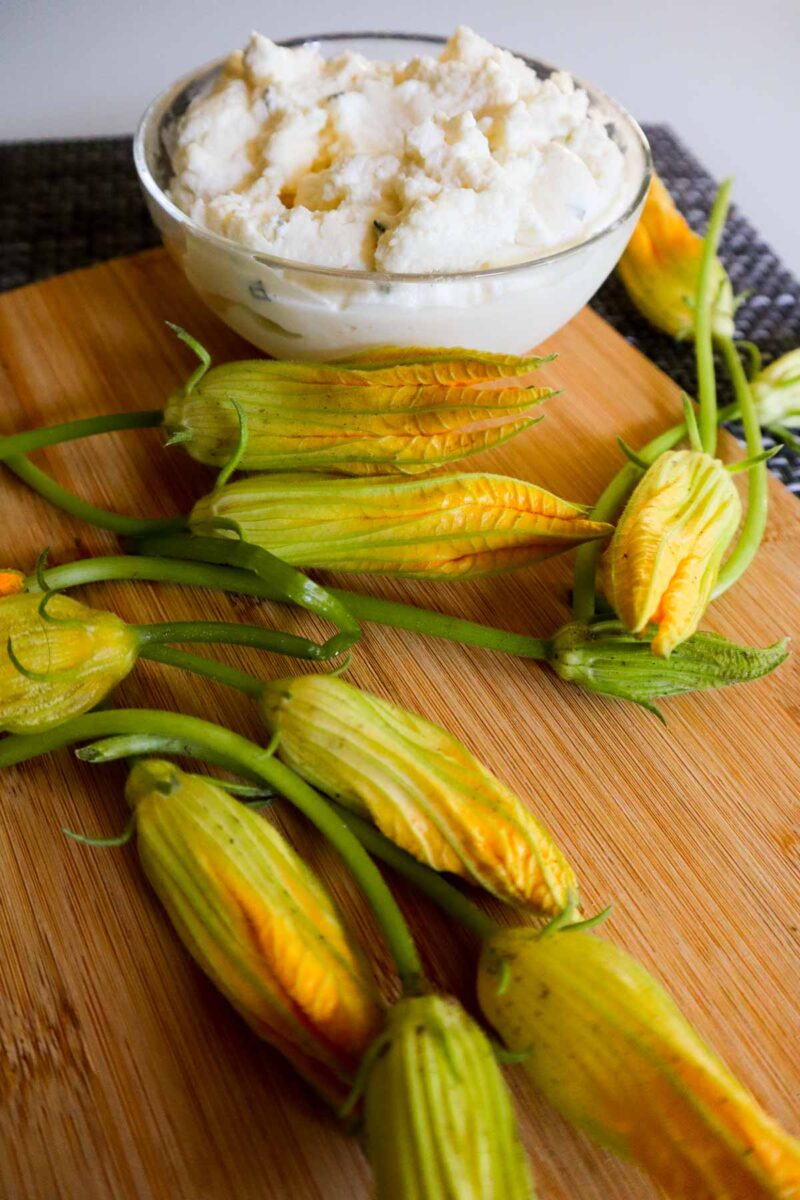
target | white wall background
x=724, y=73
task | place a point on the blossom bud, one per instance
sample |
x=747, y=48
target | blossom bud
x=59, y=664
x=662, y=563
x=393, y=411
x=776, y=391
x=421, y=787
x=257, y=921
x=439, y=1119
x=661, y=266
x=610, y=1050
x=448, y=526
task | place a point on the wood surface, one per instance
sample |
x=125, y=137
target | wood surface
x=122, y=1072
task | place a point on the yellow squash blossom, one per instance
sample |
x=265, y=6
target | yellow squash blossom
x=440, y=1123
x=610, y=1049
x=257, y=921
x=60, y=664
x=448, y=526
x=421, y=787
x=664, y=557
x=391, y=411
x=661, y=265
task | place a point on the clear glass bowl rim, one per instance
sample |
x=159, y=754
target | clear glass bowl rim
x=159, y=196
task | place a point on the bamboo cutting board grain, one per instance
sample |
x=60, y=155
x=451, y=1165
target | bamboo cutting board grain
x=123, y=1073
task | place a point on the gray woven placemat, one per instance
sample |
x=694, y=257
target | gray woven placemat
x=66, y=204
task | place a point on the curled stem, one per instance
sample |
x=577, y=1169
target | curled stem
x=101, y=518
x=285, y=583
x=704, y=320
x=62, y=675
x=755, y=521
x=120, y=839
x=235, y=459
x=754, y=360
x=220, y=747
x=200, y=351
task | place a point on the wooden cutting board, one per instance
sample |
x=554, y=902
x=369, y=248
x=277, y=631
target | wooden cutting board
x=123, y=1073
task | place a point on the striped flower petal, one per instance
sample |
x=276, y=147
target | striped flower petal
x=448, y=526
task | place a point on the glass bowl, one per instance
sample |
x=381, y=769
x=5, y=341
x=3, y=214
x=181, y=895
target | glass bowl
x=296, y=310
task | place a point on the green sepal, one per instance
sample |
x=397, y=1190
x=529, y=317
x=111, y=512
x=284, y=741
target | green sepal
x=605, y=658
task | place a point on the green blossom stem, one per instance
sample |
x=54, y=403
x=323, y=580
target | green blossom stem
x=286, y=583
x=432, y=624
x=71, y=431
x=220, y=747
x=155, y=570
x=228, y=633
x=230, y=579
x=208, y=668
x=705, y=302
x=755, y=522
x=101, y=518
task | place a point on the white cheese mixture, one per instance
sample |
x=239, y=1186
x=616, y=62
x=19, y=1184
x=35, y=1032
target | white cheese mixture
x=450, y=164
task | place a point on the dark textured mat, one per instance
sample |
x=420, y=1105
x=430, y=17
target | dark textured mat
x=68, y=204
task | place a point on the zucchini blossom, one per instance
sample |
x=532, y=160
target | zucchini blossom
x=611, y=1050
x=59, y=661
x=393, y=411
x=257, y=921
x=440, y=1123
x=419, y=785
x=447, y=526
x=661, y=266
x=664, y=557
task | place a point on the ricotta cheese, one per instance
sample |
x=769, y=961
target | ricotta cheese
x=448, y=164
